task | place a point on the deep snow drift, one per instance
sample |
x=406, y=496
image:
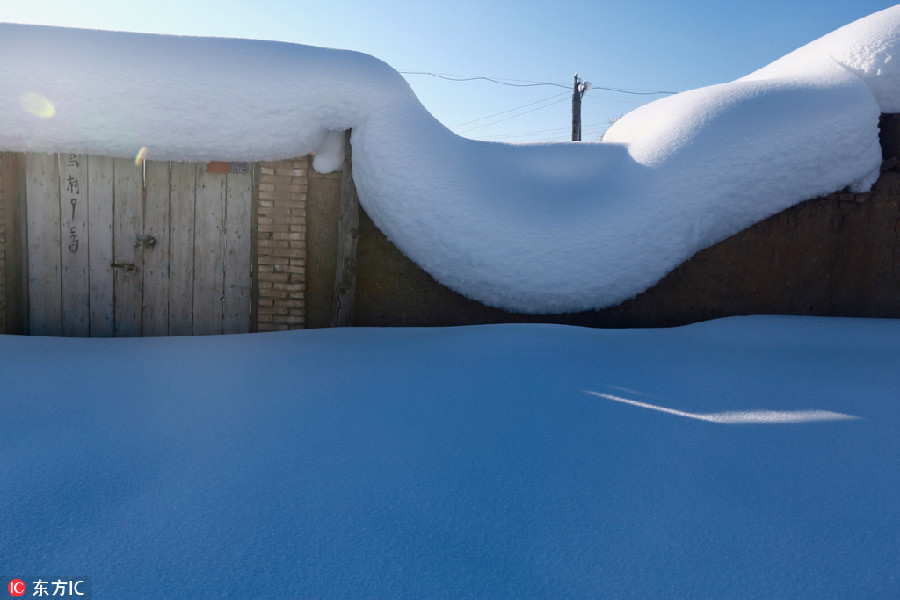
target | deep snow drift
x=538, y=228
x=750, y=457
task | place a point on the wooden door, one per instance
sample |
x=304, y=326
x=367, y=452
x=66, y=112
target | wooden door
x=117, y=248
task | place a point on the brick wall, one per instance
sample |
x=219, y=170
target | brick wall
x=281, y=244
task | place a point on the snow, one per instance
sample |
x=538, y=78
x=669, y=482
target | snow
x=744, y=457
x=505, y=461
x=533, y=228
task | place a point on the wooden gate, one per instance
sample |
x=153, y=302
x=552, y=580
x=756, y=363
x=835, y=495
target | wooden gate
x=119, y=248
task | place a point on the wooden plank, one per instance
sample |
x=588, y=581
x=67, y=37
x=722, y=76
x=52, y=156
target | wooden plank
x=100, y=248
x=155, y=249
x=12, y=178
x=3, y=255
x=238, y=291
x=183, y=185
x=209, y=252
x=127, y=225
x=44, y=285
x=74, y=254
x=348, y=233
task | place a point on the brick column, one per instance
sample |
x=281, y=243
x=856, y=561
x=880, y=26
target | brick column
x=281, y=244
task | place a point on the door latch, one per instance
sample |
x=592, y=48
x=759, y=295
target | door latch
x=128, y=267
x=146, y=241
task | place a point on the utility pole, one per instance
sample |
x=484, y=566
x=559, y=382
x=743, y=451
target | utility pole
x=578, y=90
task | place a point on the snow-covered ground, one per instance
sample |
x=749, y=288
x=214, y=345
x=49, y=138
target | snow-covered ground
x=533, y=228
x=751, y=457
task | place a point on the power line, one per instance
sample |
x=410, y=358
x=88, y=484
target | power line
x=513, y=116
x=561, y=132
x=497, y=80
x=633, y=92
x=511, y=109
x=526, y=83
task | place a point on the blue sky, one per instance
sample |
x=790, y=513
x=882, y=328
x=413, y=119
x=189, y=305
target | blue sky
x=641, y=45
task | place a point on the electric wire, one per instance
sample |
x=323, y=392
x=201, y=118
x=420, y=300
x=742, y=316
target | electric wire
x=511, y=110
x=497, y=80
x=513, y=116
x=526, y=83
x=548, y=134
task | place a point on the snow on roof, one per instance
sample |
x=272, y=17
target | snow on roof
x=528, y=227
x=183, y=98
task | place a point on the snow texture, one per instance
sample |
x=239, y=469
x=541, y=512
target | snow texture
x=508, y=461
x=532, y=227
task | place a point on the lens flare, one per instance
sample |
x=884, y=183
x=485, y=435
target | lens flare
x=140, y=156
x=38, y=105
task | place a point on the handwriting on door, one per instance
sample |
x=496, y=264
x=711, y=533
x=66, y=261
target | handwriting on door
x=73, y=192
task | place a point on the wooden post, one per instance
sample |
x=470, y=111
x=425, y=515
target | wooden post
x=254, y=249
x=348, y=234
x=12, y=173
x=576, y=111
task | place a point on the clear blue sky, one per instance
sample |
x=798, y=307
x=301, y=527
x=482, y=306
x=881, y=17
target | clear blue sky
x=641, y=45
